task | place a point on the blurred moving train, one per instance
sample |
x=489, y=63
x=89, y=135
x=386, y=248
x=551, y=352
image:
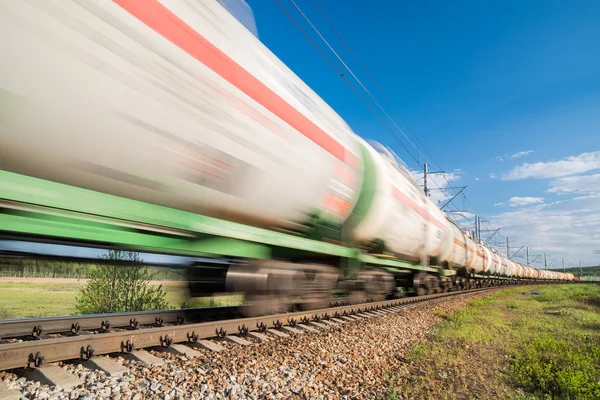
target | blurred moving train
x=177, y=104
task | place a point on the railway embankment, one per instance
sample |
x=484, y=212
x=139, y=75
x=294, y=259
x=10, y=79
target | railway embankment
x=520, y=343
x=351, y=359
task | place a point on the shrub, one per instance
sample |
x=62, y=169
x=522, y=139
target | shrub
x=115, y=288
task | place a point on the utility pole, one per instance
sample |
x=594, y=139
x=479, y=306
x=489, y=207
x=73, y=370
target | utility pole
x=425, y=173
x=580, y=270
x=545, y=261
x=507, y=249
x=478, y=227
x=528, y=256
x=425, y=189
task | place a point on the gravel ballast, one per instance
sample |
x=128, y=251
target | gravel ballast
x=350, y=361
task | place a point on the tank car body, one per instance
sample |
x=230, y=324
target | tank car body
x=394, y=209
x=160, y=102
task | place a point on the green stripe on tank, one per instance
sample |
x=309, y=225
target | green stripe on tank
x=367, y=192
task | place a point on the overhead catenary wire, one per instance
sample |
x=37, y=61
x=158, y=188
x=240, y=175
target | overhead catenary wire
x=370, y=95
x=341, y=60
x=364, y=68
x=332, y=64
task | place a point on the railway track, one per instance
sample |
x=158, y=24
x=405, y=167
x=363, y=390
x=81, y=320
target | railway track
x=131, y=332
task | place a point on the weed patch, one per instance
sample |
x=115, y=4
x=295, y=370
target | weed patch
x=512, y=345
x=557, y=368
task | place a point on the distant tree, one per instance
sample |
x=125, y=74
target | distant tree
x=119, y=288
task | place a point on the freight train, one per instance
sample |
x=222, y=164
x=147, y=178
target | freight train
x=172, y=126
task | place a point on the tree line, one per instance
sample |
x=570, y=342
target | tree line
x=15, y=267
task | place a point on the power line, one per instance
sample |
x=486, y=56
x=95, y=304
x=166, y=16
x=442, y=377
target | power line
x=372, y=79
x=307, y=36
x=363, y=67
x=356, y=78
x=369, y=94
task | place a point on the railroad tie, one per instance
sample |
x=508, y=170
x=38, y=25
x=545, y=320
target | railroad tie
x=179, y=350
x=320, y=325
x=8, y=394
x=207, y=345
x=306, y=327
x=259, y=336
x=144, y=357
x=277, y=333
x=237, y=340
x=289, y=329
x=103, y=363
x=51, y=375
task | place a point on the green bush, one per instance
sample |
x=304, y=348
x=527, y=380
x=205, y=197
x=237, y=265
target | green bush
x=121, y=288
x=552, y=368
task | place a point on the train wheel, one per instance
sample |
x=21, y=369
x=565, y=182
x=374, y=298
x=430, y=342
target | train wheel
x=377, y=284
x=257, y=305
x=420, y=284
x=357, y=297
x=429, y=285
x=435, y=285
x=268, y=283
x=320, y=282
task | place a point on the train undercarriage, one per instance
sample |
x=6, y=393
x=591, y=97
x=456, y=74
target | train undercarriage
x=272, y=285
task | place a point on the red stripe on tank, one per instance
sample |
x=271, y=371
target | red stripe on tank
x=408, y=202
x=164, y=22
x=461, y=244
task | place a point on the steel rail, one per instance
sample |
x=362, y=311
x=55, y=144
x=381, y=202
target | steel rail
x=72, y=324
x=31, y=353
x=99, y=322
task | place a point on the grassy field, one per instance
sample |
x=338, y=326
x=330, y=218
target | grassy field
x=22, y=300
x=513, y=344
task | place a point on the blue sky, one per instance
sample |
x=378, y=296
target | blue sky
x=479, y=83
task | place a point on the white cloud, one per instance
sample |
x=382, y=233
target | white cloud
x=568, y=228
x=520, y=154
x=524, y=201
x=584, y=162
x=498, y=204
x=493, y=175
x=477, y=179
x=576, y=184
x=512, y=156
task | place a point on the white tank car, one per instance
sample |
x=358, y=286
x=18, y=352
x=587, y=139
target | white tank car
x=511, y=269
x=487, y=259
x=464, y=251
x=482, y=259
x=173, y=103
x=393, y=208
x=523, y=271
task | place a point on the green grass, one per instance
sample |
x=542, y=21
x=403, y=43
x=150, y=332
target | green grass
x=24, y=300
x=512, y=345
